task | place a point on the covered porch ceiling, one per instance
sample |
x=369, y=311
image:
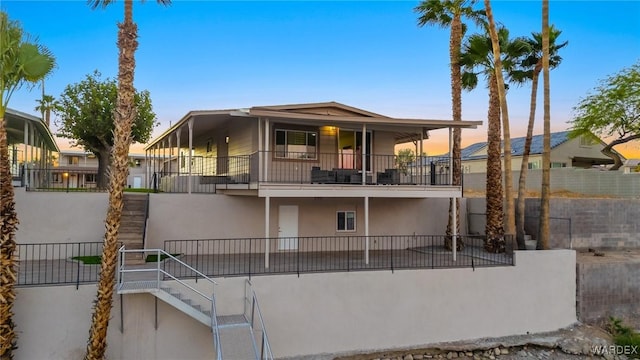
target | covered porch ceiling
x=208, y=121
x=15, y=124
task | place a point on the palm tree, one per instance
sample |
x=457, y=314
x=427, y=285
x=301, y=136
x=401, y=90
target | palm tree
x=45, y=106
x=124, y=118
x=449, y=13
x=532, y=66
x=508, y=181
x=477, y=59
x=543, y=236
x=21, y=61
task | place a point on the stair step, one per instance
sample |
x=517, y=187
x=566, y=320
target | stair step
x=225, y=321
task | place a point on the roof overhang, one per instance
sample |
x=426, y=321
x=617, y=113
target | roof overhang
x=14, y=123
x=407, y=129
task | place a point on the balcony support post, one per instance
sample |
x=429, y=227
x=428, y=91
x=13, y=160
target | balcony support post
x=267, y=206
x=170, y=156
x=260, y=150
x=32, y=144
x=366, y=230
x=178, y=154
x=190, y=123
x=454, y=200
x=24, y=156
x=267, y=146
x=363, y=151
x=419, y=156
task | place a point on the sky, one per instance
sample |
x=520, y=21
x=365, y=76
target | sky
x=196, y=55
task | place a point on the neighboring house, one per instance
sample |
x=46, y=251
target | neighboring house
x=319, y=169
x=31, y=145
x=631, y=166
x=79, y=169
x=579, y=152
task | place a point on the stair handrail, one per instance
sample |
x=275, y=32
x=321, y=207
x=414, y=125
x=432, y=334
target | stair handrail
x=159, y=271
x=214, y=327
x=146, y=221
x=265, y=349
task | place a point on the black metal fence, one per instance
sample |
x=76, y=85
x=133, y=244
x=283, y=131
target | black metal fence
x=236, y=257
x=58, y=263
x=78, y=263
x=63, y=180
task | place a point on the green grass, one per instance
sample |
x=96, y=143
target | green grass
x=139, y=190
x=625, y=336
x=154, y=257
x=88, y=259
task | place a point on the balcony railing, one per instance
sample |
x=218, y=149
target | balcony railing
x=78, y=263
x=206, y=173
x=246, y=257
x=58, y=263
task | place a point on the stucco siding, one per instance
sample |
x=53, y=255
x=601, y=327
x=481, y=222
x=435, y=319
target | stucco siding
x=67, y=217
x=314, y=314
x=224, y=217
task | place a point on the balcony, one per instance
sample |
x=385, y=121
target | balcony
x=329, y=170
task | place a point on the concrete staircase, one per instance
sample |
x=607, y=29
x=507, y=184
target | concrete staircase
x=132, y=226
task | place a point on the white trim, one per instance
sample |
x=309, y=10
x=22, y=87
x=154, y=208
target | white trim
x=355, y=216
x=331, y=191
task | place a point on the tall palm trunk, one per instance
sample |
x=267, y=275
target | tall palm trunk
x=543, y=236
x=524, y=167
x=455, y=43
x=494, y=228
x=124, y=116
x=509, y=220
x=9, y=220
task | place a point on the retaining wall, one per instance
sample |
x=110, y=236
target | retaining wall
x=319, y=313
x=608, y=286
x=576, y=223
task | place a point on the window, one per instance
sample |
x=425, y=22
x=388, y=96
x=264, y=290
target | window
x=296, y=144
x=534, y=165
x=90, y=178
x=346, y=221
x=74, y=160
x=56, y=178
x=558, y=165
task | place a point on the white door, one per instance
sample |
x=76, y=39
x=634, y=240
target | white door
x=137, y=182
x=288, y=227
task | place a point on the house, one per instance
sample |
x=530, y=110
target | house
x=579, y=152
x=31, y=145
x=319, y=169
x=79, y=169
x=631, y=166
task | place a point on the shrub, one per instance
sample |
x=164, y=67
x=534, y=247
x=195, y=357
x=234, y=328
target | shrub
x=623, y=335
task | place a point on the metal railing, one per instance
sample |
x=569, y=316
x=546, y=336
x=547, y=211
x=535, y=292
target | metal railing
x=251, y=306
x=163, y=261
x=255, y=256
x=58, y=263
x=146, y=220
x=215, y=328
x=346, y=167
x=207, y=174
x=63, y=180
